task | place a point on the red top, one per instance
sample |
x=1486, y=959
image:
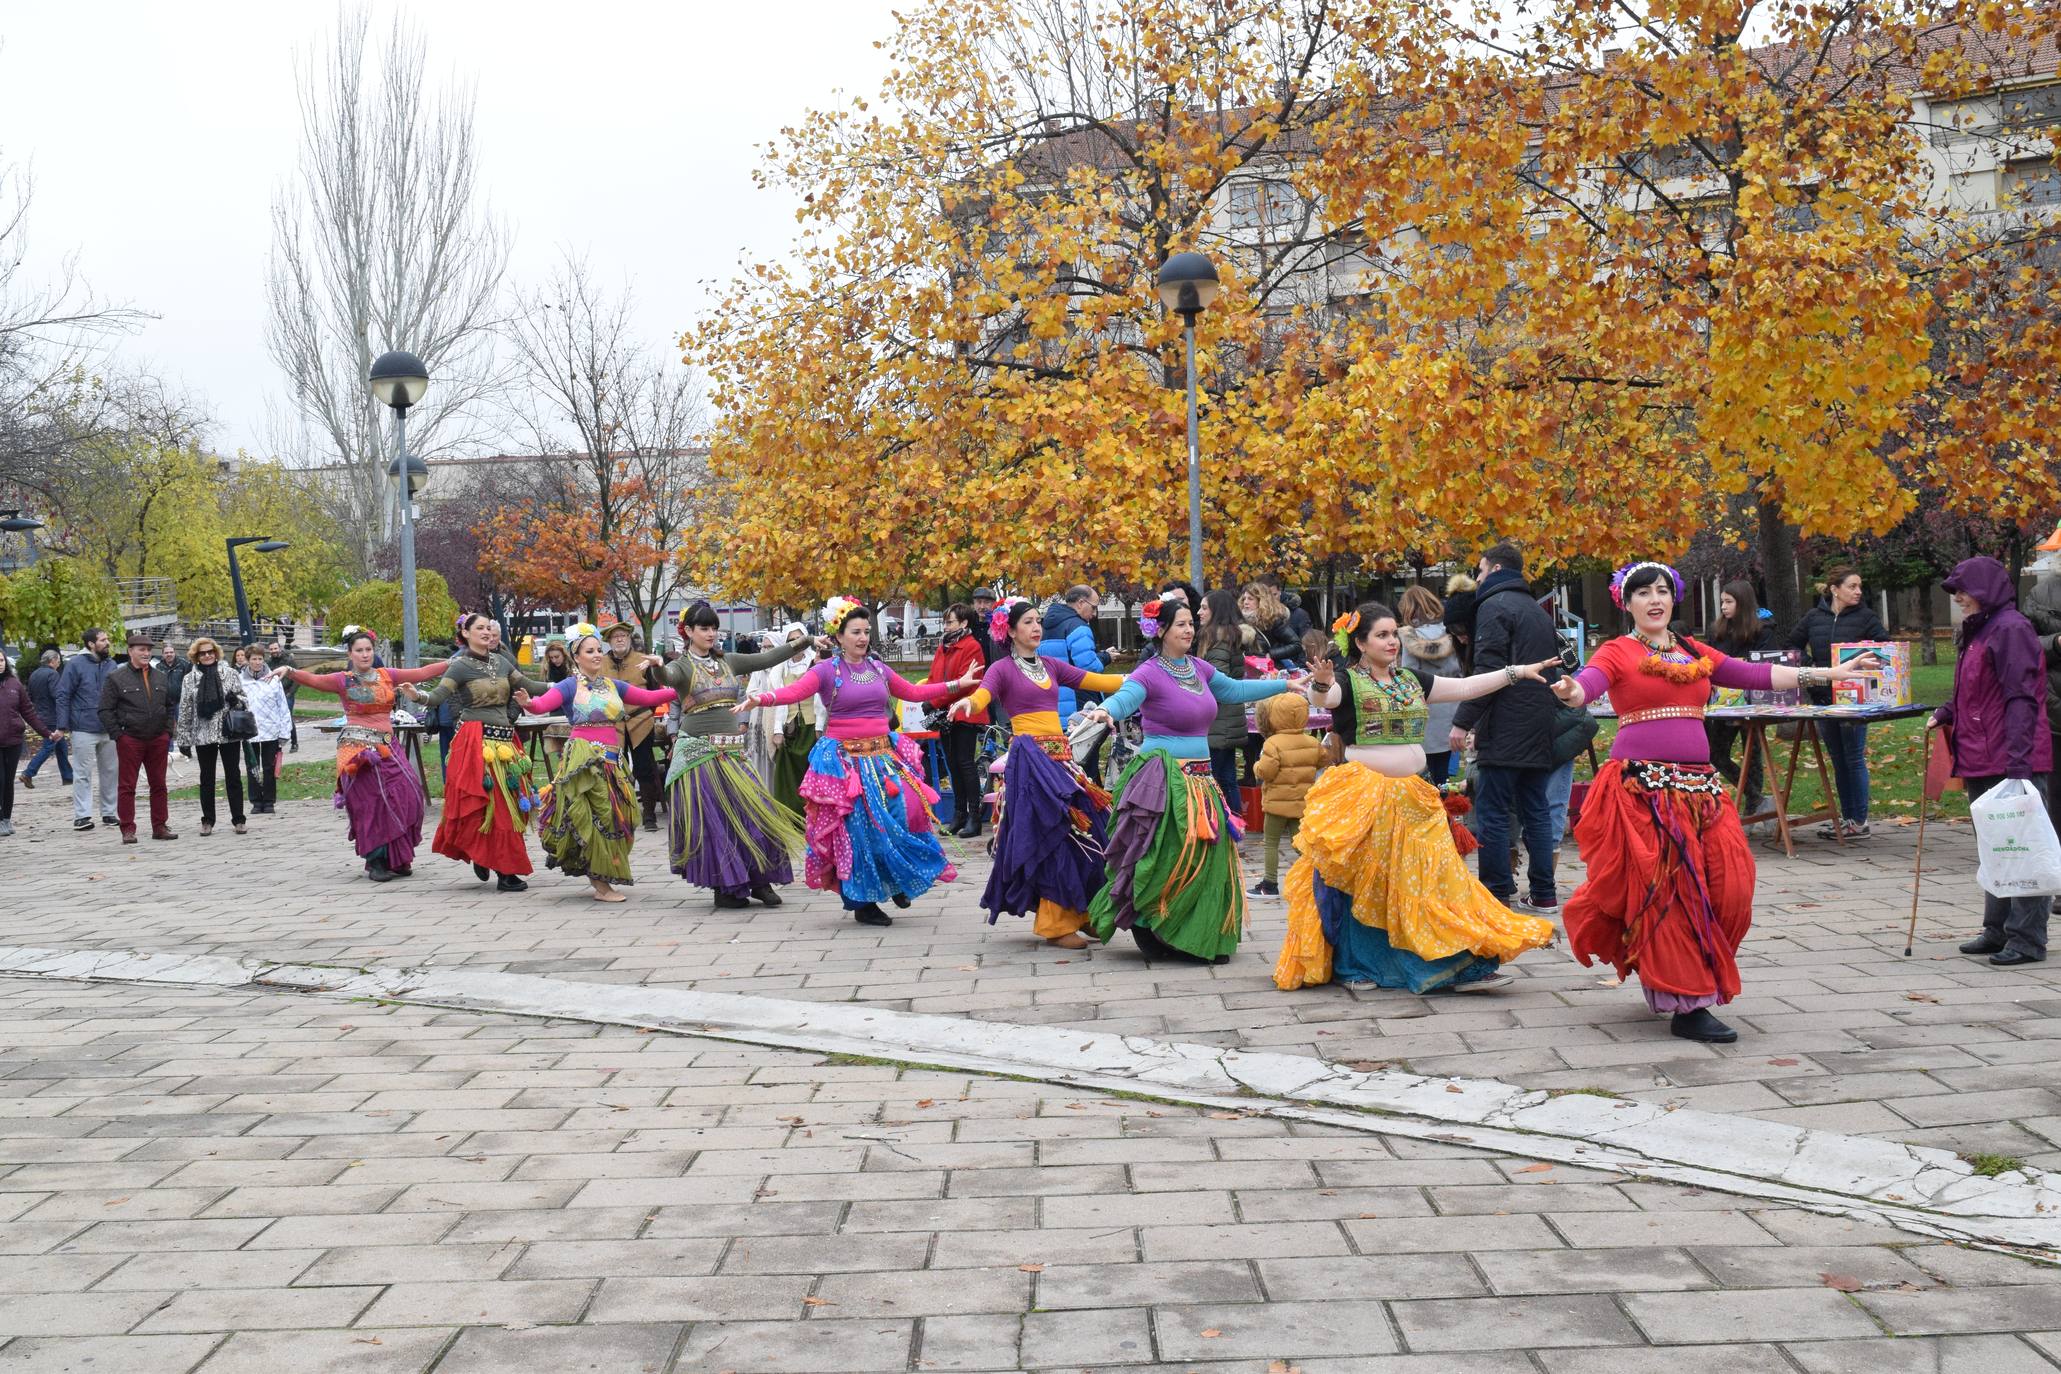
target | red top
x=952, y=662
x=1619, y=667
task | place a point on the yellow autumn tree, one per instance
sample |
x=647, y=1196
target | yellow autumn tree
x=964, y=371
x=1639, y=260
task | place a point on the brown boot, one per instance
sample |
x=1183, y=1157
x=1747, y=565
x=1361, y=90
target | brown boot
x=162, y=832
x=128, y=837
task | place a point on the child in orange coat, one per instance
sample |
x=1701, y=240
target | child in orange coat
x=1288, y=764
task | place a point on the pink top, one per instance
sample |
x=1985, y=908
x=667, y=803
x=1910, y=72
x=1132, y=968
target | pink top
x=368, y=704
x=1616, y=668
x=591, y=717
x=857, y=706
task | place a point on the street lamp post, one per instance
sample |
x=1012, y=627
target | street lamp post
x=14, y=522
x=264, y=544
x=1187, y=284
x=399, y=380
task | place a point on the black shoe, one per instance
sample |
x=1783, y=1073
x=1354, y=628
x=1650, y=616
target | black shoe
x=509, y=882
x=730, y=901
x=1701, y=1025
x=379, y=873
x=871, y=915
x=766, y=896
x=407, y=871
x=83, y=823
x=480, y=872
x=651, y=824
x=2010, y=958
x=1266, y=887
x=899, y=900
x=114, y=821
x=1981, y=944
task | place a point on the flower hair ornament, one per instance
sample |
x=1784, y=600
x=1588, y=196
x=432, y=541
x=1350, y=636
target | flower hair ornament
x=1342, y=632
x=1618, y=579
x=1148, y=619
x=351, y=632
x=998, y=619
x=686, y=615
x=835, y=612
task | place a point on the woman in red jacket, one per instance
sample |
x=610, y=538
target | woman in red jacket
x=958, y=655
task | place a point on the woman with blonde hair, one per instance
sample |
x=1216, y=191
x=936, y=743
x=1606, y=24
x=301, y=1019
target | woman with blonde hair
x=1261, y=605
x=211, y=692
x=1428, y=648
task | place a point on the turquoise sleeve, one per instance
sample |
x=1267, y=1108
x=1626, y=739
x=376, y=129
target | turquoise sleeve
x=1238, y=691
x=1124, y=702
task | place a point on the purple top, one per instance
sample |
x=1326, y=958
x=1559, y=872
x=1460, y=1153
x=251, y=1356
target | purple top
x=857, y=708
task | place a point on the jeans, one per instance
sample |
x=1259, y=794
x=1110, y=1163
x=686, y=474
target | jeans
x=1223, y=763
x=227, y=755
x=149, y=756
x=60, y=747
x=1559, y=789
x=1438, y=767
x=2018, y=923
x=1498, y=791
x=1848, y=745
x=95, y=761
x=962, y=767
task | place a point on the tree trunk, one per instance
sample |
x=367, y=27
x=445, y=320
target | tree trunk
x=1928, y=650
x=1778, y=565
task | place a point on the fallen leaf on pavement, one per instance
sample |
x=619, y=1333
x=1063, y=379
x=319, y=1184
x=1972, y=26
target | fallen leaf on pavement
x=1283, y=1367
x=1364, y=1216
x=1031, y=1268
x=1536, y=1169
x=1845, y=1283
x=1783, y=1063
x=926, y=1102
x=817, y=1302
x=1921, y=997
x=1453, y=1087
x=367, y=1340
x=1211, y=1334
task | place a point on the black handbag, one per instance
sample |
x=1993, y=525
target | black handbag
x=239, y=723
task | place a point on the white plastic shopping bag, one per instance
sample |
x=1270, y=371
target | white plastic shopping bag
x=2018, y=851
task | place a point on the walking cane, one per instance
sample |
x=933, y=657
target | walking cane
x=1925, y=794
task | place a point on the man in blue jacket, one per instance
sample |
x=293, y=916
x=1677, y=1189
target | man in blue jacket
x=93, y=749
x=1070, y=638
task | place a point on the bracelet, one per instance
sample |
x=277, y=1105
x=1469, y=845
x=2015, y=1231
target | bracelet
x=1511, y=674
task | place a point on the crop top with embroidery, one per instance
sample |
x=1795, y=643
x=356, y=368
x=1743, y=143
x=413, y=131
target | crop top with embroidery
x=368, y=702
x=709, y=700
x=485, y=688
x=595, y=708
x=1368, y=715
x=857, y=708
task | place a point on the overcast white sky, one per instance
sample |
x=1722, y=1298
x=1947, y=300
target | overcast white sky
x=158, y=135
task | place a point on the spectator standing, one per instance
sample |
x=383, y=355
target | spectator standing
x=1070, y=638
x=136, y=709
x=1429, y=648
x=1573, y=731
x=18, y=716
x=1738, y=633
x=1996, y=723
x=1841, y=617
x=94, y=753
x=268, y=703
x=1512, y=734
x=983, y=606
x=275, y=659
x=43, y=696
x=1224, y=642
x=210, y=689
x=626, y=663
x=959, y=654
x=1261, y=606
x=1460, y=598
x=2042, y=608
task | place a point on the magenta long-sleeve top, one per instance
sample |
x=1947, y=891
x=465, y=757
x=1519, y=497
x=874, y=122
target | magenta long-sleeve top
x=1677, y=737
x=589, y=714
x=855, y=708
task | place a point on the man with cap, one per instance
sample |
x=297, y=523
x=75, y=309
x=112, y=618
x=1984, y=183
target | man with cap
x=640, y=727
x=136, y=708
x=983, y=607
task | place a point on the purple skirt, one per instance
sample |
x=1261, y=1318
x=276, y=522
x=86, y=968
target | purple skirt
x=727, y=832
x=1048, y=834
x=382, y=798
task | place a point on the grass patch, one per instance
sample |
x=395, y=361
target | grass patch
x=314, y=779
x=1584, y=1092
x=1990, y=1166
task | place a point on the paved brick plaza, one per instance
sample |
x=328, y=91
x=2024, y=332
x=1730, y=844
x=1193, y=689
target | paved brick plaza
x=237, y=1179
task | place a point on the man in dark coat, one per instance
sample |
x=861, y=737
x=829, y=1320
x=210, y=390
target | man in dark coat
x=1512, y=733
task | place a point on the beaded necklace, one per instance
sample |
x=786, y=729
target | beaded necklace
x=1033, y=668
x=1400, y=690
x=1182, y=671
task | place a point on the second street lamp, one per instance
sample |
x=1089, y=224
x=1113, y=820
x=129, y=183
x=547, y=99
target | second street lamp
x=14, y=522
x=399, y=380
x=1187, y=284
x=265, y=544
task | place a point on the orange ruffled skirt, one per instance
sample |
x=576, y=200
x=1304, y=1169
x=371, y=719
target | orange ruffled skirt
x=1387, y=844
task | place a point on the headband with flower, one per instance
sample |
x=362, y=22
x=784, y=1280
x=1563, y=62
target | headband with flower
x=998, y=619
x=1148, y=619
x=835, y=612
x=1619, y=578
x=1342, y=632
x=351, y=632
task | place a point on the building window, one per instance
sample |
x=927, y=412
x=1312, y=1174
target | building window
x=1269, y=210
x=2035, y=181
x=2031, y=109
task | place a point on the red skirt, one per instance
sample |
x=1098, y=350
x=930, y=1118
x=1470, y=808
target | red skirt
x=1669, y=894
x=471, y=830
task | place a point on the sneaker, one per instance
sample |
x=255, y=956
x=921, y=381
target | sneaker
x=114, y=821
x=83, y=823
x=6, y=828
x=1533, y=908
x=1858, y=830
x=1495, y=982
x=1265, y=888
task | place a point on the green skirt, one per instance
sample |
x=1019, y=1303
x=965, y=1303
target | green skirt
x=791, y=760
x=589, y=814
x=1171, y=860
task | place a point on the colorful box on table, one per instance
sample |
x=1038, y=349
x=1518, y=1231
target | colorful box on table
x=1786, y=658
x=1894, y=688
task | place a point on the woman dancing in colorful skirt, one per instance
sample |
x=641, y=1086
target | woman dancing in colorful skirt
x=376, y=790
x=1172, y=858
x=1048, y=816
x=1381, y=895
x=1669, y=893
x=587, y=815
x=870, y=831
x=487, y=791
x=728, y=834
